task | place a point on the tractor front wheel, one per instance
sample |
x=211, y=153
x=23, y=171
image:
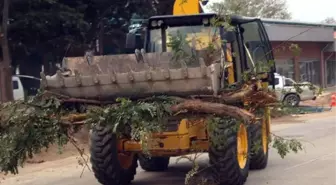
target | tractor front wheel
x=259, y=154
x=229, y=152
x=110, y=166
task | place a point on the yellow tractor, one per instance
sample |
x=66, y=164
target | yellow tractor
x=114, y=161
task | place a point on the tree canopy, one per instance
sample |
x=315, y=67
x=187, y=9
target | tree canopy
x=44, y=31
x=329, y=20
x=276, y=9
x=49, y=26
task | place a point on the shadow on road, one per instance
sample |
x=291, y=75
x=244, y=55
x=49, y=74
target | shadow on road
x=174, y=175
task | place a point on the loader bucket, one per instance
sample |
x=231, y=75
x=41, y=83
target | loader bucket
x=133, y=76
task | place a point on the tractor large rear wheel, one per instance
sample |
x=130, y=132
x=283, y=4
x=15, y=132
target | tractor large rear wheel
x=229, y=152
x=259, y=153
x=110, y=166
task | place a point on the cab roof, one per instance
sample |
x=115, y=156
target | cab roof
x=195, y=18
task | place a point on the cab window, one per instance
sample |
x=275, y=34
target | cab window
x=276, y=81
x=15, y=84
x=257, y=46
x=198, y=37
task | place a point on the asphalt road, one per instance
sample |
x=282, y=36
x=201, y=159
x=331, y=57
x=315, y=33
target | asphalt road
x=315, y=166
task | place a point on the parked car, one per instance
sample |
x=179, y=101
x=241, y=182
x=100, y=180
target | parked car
x=18, y=91
x=287, y=93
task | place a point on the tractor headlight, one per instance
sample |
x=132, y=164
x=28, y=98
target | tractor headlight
x=205, y=21
x=160, y=22
x=154, y=24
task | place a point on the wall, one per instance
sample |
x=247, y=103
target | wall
x=306, y=66
x=330, y=67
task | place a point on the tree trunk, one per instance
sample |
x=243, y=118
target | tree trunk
x=6, y=87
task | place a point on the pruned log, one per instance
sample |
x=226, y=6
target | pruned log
x=262, y=98
x=247, y=92
x=214, y=108
x=239, y=96
x=224, y=104
x=74, y=117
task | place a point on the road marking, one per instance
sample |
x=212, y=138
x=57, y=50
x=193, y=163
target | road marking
x=310, y=161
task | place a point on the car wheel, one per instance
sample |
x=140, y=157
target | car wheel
x=292, y=100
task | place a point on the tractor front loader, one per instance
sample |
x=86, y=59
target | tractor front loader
x=150, y=72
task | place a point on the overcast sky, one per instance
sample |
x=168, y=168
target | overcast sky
x=309, y=10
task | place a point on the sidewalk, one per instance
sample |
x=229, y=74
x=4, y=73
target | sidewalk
x=330, y=89
x=321, y=101
x=302, y=118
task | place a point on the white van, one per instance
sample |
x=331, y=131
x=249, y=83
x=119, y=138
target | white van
x=18, y=91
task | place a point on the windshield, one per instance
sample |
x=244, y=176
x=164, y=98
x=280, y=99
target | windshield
x=198, y=37
x=289, y=82
x=257, y=45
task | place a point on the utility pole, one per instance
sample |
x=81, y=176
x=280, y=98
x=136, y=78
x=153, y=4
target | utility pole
x=6, y=87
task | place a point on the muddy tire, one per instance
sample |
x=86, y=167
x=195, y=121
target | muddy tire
x=154, y=164
x=105, y=160
x=259, y=152
x=223, y=154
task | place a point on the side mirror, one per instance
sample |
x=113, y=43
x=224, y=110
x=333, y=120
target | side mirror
x=229, y=36
x=204, y=2
x=248, y=45
x=130, y=40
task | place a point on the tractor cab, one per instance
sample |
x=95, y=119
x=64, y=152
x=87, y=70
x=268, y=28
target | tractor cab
x=245, y=43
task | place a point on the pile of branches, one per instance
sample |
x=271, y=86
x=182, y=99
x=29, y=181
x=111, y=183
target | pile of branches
x=27, y=127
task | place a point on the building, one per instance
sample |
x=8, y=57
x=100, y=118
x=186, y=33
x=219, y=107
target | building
x=316, y=60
